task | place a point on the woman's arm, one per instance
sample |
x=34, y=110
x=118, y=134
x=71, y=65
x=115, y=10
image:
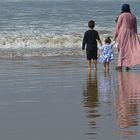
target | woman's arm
x=117, y=27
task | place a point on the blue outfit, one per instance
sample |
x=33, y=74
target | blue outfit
x=107, y=53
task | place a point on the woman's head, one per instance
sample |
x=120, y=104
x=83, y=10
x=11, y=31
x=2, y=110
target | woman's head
x=108, y=40
x=125, y=8
x=91, y=24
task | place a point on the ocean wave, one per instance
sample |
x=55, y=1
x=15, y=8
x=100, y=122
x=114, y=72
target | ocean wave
x=41, y=41
x=41, y=45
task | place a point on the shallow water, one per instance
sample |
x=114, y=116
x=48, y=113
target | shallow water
x=55, y=98
x=55, y=27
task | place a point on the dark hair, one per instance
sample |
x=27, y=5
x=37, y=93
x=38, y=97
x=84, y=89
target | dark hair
x=91, y=24
x=108, y=40
x=125, y=8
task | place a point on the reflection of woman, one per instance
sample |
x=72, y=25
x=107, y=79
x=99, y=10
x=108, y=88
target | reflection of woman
x=127, y=39
x=128, y=99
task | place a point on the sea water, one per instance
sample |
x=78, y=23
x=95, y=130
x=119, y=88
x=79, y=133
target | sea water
x=55, y=27
x=54, y=97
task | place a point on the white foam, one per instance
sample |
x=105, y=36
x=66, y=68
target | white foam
x=41, y=41
x=12, y=45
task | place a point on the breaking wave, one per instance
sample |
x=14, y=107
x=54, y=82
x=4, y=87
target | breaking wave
x=41, y=45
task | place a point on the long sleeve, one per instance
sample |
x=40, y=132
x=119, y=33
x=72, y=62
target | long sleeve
x=135, y=25
x=84, y=41
x=118, y=25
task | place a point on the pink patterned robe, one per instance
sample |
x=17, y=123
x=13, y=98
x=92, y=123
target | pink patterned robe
x=128, y=41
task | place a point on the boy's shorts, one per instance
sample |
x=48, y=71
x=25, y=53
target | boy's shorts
x=91, y=54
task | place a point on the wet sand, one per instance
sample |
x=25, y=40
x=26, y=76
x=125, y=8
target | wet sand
x=55, y=98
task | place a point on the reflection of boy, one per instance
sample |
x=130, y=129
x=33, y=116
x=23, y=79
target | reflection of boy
x=90, y=41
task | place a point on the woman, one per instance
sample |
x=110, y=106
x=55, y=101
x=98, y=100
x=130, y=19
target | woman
x=127, y=39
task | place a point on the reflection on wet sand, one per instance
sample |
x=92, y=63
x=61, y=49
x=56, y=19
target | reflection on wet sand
x=127, y=101
x=106, y=87
x=97, y=90
x=91, y=101
x=91, y=91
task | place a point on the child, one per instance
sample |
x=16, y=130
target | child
x=90, y=41
x=107, y=53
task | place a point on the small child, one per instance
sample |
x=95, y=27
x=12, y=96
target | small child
x=107, y=54
x=90, y=41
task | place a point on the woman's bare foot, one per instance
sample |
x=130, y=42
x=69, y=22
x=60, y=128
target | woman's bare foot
x=119, y=68
x=127, y=69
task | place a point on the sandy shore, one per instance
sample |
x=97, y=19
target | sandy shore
x=55, y=98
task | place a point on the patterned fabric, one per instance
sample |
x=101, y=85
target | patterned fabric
x=107, y=53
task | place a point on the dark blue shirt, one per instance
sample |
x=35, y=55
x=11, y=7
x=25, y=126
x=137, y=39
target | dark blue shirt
x=90, y=40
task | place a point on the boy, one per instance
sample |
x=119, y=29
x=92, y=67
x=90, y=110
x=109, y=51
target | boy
x=90, y=39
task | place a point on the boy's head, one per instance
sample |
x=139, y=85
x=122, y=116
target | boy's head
x=108, y=40
x=91, y=24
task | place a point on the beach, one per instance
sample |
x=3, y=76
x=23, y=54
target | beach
x=46, y=91
x=56, y=98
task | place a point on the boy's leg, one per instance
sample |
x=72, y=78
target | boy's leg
x=89, y=64
x=95, y=64
x=89, y=59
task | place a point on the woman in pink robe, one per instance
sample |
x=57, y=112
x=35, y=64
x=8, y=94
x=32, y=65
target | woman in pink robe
x=127, y=39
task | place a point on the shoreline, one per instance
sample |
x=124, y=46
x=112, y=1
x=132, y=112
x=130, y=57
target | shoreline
x=56, y=98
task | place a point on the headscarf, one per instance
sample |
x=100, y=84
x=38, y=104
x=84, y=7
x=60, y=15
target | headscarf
x=125, y=8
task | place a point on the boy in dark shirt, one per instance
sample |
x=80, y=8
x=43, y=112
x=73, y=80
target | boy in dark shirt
x=90, y=39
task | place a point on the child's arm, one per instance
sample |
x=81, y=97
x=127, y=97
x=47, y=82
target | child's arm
x=84, y=41
x=114, y=42
x=114, y=45
x=100, y=42
x=98, y=39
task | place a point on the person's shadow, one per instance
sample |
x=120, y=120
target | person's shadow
x=127, y=101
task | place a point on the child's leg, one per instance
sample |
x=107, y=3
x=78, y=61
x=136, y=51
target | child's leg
x=89, y=64
x=107, y=65
x=104, y=65
x=95, y=64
